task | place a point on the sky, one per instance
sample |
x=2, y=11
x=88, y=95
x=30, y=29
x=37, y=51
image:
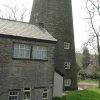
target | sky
x=78, y=22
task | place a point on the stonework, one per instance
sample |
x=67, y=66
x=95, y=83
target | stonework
x=17, y=74
x=57, y=18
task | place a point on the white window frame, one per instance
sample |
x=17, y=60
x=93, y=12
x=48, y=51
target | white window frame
x=40, y=52
x=27, y=90
x=66, y=45
x=13, y=95
x=67, y=82
x=67, y=65
x=25, y=48
x=45, y=92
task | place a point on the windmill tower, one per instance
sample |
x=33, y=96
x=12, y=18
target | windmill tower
x=57, y=18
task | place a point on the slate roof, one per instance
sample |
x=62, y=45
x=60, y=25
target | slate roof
x=21, y=29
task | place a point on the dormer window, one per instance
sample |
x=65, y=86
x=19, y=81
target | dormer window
x=66, y=45
x=67, y=65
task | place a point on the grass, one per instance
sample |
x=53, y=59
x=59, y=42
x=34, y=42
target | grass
x=87, y=94
x=92, y=93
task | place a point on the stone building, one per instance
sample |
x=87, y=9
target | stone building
x=26, y=61
x=33, y=64
x=57, y=18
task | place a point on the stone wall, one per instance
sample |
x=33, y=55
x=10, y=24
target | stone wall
x=16, y=74
x=57, y=18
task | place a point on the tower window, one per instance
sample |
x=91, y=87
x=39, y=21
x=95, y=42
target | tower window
x=45, y=94
x=27, y=94
x=13, y=95
x=67, y=82
x=67, y=65
x=66, y=45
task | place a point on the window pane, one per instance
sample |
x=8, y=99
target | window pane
x=27, y=47
x=26, y=95
x=66, y=45
x=39, y=52
x=27, y=89
x=13, y=95
x=34, y=53
x=16, y=53
x=44, y=95
x=22, y=46
x=9, y=97
x=67, y=82
x=44, y=55
x=21, y=51
x=27, y=53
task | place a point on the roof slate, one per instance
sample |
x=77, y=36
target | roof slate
x=14, y=28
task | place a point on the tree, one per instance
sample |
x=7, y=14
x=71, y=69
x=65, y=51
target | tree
x=15, y=12
x=85, y=58
x=93, y=11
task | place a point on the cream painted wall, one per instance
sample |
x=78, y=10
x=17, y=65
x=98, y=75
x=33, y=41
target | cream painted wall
x=58, y=85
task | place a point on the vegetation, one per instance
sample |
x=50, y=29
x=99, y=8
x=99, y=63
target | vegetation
x=89, y=81
x=93, y=17
x=90, y=71
x=88, y=94
x=14, y=11
x=79, y=58
x=60, y=98
x=85, y=58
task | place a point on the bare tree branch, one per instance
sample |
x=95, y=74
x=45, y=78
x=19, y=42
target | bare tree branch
x=12, y=11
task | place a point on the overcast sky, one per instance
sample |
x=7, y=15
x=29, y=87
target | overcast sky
x=78, y=15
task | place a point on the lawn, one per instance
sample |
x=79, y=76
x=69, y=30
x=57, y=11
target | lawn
x=87, y=94
x=90, y=93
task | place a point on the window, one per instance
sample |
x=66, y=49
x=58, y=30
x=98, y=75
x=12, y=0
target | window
x=39, y=52
x=21, y=51
x=45, y=94
x=27, y=93
x=24, y=51
x=67, y=65
x=66, y=45
x=67, y=82
x=13, y=95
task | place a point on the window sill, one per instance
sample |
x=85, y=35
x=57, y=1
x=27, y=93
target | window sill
x=30, y=59
x=67, y=68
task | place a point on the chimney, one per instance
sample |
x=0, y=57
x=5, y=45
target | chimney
x=37, y=21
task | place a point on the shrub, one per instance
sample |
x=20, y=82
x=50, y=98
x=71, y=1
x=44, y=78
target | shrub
x=63, y=98
x=56, y=98
x=60, y=98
